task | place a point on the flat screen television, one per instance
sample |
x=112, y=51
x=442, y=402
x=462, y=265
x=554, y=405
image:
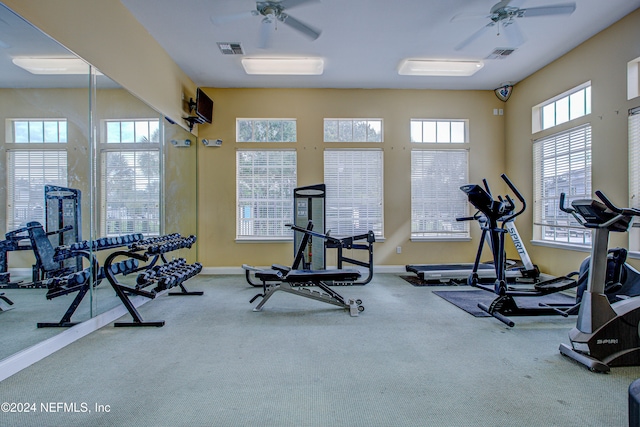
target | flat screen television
x=204, y=107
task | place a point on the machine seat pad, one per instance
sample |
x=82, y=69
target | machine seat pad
x=344, y=275
x=269, y=275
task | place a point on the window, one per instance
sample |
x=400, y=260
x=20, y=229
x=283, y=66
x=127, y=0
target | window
x=561, y=164
x=265, y=180
x=266, y=130
x=354, y=191
x=131, y=178
x=352, y=130
x=439, y=131
x=436, y=199
x=568, y=106
x=34, y=159
x=634, y=173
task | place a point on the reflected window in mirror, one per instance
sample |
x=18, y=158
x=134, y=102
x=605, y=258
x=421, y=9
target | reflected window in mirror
x=34, y=159
x=131, y=179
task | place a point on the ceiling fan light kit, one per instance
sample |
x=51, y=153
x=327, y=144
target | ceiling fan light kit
x=283, y=66
x=429, y=67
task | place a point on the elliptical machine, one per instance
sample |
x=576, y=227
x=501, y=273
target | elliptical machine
x=606, y=334
x=499, y=213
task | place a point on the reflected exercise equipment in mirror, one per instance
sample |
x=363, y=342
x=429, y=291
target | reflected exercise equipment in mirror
x=68, y=126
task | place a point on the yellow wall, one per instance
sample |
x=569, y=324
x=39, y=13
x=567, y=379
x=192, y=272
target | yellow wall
x=498, y=144
x=216, y=167
x=105, y=34
x=602, y=60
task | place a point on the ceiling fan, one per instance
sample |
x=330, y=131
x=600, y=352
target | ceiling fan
x=501, y=15
x=273, y=12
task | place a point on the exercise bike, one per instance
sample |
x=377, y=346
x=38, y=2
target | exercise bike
x=606, y=334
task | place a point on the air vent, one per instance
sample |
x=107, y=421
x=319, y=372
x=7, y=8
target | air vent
x=228, y=48
x=501, y=53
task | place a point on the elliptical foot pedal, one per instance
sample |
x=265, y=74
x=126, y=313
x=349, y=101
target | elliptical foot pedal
x=556, y=285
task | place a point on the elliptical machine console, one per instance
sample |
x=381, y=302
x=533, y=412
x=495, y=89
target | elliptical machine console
x=606, y=334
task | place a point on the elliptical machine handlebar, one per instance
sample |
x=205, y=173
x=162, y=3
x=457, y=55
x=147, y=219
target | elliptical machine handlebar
x=511, y=202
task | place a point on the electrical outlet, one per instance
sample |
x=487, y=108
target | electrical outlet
x=399, y=249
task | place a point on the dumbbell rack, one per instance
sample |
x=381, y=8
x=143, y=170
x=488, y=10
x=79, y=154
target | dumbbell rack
x=81, y=281
x=164, y=276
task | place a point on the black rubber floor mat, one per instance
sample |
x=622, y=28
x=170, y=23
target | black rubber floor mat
x=468, y=300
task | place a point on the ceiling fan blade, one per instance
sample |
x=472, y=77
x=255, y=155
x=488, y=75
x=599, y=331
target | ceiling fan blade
x=558, y=9
x=466, y=17
x=474, y=36
x=225, y=19
x=305, y=29
x=266, y=28
x=513, y=34
x=290, y=4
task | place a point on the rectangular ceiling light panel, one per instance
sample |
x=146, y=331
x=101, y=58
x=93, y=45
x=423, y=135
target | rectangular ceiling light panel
x=283, y=66
x=36, y=65
x=427, y=67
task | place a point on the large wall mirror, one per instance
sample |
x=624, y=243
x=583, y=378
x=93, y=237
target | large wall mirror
x=78, y=153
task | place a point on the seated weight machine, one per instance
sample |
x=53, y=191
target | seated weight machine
x=163, y=276
x=295, y=281
x=358, y=242
x=498, y=214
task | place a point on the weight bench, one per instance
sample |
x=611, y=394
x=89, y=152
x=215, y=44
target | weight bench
x=295, y=280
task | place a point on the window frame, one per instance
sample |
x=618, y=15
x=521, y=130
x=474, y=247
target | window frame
x=282, y=122
x=145, y=144
x=634, y=177
x=538, y=111
x=437, y=132
x=332, y=194
x=287, y=234
x=543, y=223
x=441, y=235
x=342, y=122
x=32, y=146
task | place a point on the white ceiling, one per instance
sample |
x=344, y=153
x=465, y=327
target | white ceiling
x=363, y=41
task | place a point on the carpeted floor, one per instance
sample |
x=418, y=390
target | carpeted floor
x=410, y=359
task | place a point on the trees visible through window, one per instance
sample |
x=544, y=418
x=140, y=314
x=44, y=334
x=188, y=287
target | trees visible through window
x=131, y=172
x=352, y=130
x=266, y=130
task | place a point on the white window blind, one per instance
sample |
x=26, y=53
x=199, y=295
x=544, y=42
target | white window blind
x=28, y=172
x=634, y=157
x=265, y=180
x=130, y=192
x=561, y=164
x=354, y=180
x=436, y=199
x=634, y=173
